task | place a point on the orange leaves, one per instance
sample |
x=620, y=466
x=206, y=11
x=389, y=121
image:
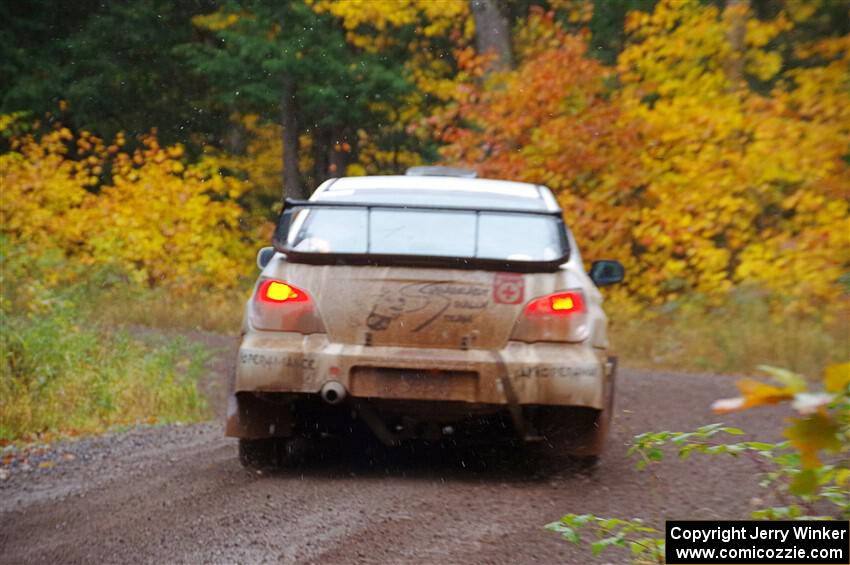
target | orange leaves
x=821, y=420
x=753, y=393
x=551, y=121
x=520, y=120
x=757, y=393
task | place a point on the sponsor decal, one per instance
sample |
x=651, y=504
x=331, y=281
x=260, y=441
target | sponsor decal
x=423, y=303
x=296, y=362
x=508, y=288
x=553, y=371
x=458, y=318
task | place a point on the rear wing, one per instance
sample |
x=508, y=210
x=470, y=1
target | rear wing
x=290, y=222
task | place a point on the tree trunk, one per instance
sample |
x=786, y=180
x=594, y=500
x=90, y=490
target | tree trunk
x=492, y=34
x=338, y=156
x=736, y=21
x=321, y=147
x=235, y=139
x=292, y=185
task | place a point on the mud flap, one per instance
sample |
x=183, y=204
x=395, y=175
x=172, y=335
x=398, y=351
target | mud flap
x=251, y=417
x=592, y=441
x=523, y=425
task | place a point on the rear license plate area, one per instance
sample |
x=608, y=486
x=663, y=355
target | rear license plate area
x=414, y=384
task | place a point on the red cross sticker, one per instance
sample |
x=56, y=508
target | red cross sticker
x=508, y=288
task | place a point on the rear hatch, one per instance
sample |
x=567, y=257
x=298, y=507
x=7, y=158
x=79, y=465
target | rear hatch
x=417, y=307
x=420, y=276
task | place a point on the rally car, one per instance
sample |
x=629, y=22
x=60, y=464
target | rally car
x=421, y=306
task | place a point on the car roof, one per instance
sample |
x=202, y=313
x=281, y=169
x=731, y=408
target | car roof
x=438, y=191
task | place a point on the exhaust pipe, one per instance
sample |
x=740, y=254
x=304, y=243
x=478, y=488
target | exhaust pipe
x=333, y=392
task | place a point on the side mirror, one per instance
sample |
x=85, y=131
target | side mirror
x=603, y=273
x=265, y=255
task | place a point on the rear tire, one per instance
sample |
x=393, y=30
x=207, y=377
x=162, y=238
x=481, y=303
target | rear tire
x=272, y=452
x=585, y=463
x=256, y=453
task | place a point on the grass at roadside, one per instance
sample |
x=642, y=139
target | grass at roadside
x=218, y=311
x=65, y=369
x=60, y=375
x=733, y=338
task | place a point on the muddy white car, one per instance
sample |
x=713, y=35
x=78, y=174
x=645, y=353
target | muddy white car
x=423, y=306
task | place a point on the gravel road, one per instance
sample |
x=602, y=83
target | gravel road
x=178, y=494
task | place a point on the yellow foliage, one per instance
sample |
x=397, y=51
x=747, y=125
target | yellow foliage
x=818, y=431
x=431, y=17
x=262, y=161
x=697, y=183
x=837, y=377
x=431, y=20
x=162, y=220
x=821, y=421
x=742, y=187
x=216, y=21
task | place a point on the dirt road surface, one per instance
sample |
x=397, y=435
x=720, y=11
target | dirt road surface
x=177, y=494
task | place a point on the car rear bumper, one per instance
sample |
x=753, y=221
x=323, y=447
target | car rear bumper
x=542, y=373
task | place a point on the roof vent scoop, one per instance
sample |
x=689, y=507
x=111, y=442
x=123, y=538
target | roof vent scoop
x=441, y=172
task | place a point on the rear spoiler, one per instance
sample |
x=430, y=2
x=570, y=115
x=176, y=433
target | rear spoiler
x=290, y=202
x=279, y=240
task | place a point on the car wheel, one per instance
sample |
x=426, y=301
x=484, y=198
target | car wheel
x=272, y=452
x=584, y=463
x=292, y=451
x=257, y=453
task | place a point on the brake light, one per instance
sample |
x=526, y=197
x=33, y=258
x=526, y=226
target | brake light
x=558, y=317
x=278, y=291
x=560, y=303
x=280, y=306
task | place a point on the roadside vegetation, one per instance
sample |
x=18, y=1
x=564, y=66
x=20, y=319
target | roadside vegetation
x=65, y=372
x=734, y=337
x=805, y=477
x=702, y=144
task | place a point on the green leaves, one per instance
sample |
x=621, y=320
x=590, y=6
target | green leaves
x=111, y=62
x=612, y=532
x=259, y=47
x=790, y=470
x=63, y=372
x=791, y=380
x=256, y=55
x=648, y=445
x=805, y=482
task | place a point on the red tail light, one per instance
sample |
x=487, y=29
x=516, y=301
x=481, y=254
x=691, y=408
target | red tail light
x=281, y=306
x=278, y=292
x=558, y=304
x=558, y=317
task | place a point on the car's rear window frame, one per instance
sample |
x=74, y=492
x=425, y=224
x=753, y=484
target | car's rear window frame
x=382, y=259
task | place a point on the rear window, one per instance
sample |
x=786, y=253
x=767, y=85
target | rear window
x=491, y=235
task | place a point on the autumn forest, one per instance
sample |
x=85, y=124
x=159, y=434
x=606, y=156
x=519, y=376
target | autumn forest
x=146, y=147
